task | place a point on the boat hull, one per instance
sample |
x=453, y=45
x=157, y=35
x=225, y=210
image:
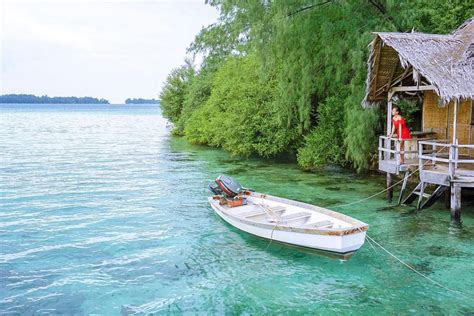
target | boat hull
x=341, y=244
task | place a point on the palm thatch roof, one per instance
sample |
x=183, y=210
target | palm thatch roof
x=443, y=61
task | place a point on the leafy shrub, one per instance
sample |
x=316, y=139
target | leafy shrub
x=196, y=95
x=325, y=143
x=174, y=91
x=240, y=115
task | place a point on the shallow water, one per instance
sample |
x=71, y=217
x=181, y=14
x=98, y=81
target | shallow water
x=103, y=212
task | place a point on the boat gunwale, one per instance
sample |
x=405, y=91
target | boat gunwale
x=357, y=226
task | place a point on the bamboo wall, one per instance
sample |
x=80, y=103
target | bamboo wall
x=440, y=120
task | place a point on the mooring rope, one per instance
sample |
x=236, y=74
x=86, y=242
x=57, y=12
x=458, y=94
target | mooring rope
x=414, y=270
x=371, y=240
x=386, y=189
x=271, y=236
x=378, y=193
x=272, y=214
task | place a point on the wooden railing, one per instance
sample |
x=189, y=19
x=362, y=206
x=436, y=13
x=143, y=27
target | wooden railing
x=442, y=152
x=390, y=148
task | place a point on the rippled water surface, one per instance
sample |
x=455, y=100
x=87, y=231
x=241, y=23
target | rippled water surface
x=103, y=212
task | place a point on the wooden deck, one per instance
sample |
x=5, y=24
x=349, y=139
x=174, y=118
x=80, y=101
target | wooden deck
x=439, y=174
x=438, y=162
x=393, y=167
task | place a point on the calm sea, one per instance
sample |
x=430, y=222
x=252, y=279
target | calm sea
x=103, y=212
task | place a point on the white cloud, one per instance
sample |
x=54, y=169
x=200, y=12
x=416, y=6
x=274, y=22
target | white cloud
x=111, y=49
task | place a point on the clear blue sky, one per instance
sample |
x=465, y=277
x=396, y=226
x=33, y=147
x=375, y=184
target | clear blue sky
x=111, y=49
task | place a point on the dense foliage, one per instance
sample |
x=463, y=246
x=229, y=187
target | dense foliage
x=289, y=76
x=30, y=98
x=173, y=94
x=239, y=114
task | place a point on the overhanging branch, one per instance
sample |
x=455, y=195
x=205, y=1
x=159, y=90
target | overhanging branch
x=309, y=7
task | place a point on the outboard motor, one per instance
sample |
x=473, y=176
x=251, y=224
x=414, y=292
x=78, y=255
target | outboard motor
x=214, y=188
x=229, y=185
x=225, y=185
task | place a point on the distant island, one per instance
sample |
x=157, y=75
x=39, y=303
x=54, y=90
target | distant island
x=30, y=98
x=142, y=101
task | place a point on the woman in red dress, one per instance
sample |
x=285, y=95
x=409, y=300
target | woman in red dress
x=399, y=126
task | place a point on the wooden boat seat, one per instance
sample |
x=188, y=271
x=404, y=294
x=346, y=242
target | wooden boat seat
x=253, y=213
x=318, y=224
x=277, y=208
x=295, y=216
x=261, y=211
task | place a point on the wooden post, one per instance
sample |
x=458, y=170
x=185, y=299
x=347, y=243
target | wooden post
x=420, y=197
x=455, y=139
x=388, y=141
x=450, y=163
x=397, y=154
x=390, y=190
x=389, y=113
x=456, y=154
x=434, y=149
x=420, y=160
x=388, y=145
x=455, y=202
x=455, y=119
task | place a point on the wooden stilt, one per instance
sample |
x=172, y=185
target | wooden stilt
x=389, y=186
x=455, y=202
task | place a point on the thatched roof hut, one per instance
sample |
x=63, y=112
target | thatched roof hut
x=445, y=62
x=440, y=69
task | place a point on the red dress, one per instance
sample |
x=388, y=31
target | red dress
x=404, y=133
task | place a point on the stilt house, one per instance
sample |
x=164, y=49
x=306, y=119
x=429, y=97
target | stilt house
x=439, y=69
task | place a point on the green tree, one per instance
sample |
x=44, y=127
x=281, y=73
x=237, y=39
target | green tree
x=240, y=115
x=310, y=59
x=196, y=95
x=174, y=91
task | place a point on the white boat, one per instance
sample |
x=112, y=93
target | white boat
x=294, y=223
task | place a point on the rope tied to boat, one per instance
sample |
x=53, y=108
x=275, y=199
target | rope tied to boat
x=270, y=212
x=386, y=189
x=413, y=269
x=371, y=240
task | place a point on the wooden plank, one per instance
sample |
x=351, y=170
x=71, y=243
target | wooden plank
x=388, y=166
x=412, y=88
x=295, y=216
x=434, y=177
x=421, y=194
x=277, y=208
x=252, y=213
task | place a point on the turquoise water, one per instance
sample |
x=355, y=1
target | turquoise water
x=103, y=212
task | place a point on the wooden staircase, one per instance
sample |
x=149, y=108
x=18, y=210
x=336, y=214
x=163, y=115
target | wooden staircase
x=425, y=199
